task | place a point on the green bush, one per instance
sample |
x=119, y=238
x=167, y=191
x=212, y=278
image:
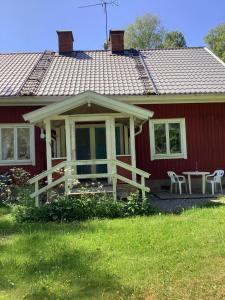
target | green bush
x=68, y=209
x=14, y=187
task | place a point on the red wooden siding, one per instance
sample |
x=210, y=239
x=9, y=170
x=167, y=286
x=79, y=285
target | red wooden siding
x=121, y=171
x=14, y=114
x=205, y=131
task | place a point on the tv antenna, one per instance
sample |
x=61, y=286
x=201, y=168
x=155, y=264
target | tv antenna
x=104, y=5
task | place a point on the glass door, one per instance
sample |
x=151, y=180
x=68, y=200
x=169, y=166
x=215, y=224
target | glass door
x=83, y=149
x=100, y=148
x=91, y=144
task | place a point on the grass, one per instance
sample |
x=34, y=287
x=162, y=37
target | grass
x=160, y=257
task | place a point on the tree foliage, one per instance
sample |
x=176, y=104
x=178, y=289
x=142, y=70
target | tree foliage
x=146, y=32
x=174, y=39
x=216, y=40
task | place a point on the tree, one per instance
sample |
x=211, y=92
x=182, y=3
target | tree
x=216, y=40
x=146, y=32
x=174, y=39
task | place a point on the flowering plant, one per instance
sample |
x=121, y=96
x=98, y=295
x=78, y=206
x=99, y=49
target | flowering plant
x=19, y=176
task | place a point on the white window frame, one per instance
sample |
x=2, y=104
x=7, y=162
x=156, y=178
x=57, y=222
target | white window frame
x=168, y=155
x=17, y=161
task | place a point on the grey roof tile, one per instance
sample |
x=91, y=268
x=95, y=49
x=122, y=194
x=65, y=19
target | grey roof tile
x=14, y=70
x=172, y=71
x=185, y=71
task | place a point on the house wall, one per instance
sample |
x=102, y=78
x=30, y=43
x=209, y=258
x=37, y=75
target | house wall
x=13, y=114
x=205, y=124
x=205, y=132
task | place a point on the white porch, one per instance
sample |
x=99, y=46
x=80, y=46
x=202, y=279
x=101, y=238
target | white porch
x=114, y=148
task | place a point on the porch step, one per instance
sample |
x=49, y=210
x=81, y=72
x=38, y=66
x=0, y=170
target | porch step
x=123, y=190
x=91, y=190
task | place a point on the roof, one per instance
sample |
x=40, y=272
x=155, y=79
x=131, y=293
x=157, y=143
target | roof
x=185, y=71
x=87, y=98
x=155, y=71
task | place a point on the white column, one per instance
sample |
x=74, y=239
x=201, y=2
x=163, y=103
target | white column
x=48, y=147
x=113, y=155
x=93, y=148
x=108, y=145
x=68, y=151
x=68, y=140
x=113, y=138
x=73, y=144
x=132, y=146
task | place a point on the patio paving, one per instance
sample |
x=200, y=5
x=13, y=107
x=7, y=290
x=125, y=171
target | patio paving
x=175, y=203
x=164, y=195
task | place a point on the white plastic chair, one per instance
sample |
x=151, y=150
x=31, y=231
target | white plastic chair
x=176, y=180
x=216, y=178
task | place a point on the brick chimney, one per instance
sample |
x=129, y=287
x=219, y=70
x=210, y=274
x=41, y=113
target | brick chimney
x=65, y=40
x=116, y=40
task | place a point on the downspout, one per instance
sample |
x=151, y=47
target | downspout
x=140, y=130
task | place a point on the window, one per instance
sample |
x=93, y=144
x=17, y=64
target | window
x=16, y=144
x=168, y=139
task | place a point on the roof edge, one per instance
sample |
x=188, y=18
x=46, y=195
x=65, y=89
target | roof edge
x=215, y=56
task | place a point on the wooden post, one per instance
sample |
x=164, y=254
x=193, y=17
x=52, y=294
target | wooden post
x=113, y=138
x=48, y=148
x=68, y=151
x=36, y=197
x=73, y=145
x=108, y=147
x=114, y=180
x=113, y=156
x=143, y=187
x=132, y=146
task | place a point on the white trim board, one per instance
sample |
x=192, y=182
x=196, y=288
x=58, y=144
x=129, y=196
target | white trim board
x=168, y=155
x=15, y=161
x=89, y=98
x=131, y=99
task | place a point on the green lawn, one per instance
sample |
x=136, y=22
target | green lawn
x=159, y=257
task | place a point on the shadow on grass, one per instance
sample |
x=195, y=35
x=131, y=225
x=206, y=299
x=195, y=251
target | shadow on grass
x=52, y=261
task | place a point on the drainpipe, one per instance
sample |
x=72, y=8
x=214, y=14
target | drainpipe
x=140, y=130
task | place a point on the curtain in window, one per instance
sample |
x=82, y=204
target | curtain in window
x=23, y=143
x=7, y=143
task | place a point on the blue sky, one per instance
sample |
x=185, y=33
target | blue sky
x=30, y=25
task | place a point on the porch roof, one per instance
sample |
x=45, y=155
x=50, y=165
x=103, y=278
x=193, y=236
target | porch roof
x=89, y=98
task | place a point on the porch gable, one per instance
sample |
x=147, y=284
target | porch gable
x=87, y=98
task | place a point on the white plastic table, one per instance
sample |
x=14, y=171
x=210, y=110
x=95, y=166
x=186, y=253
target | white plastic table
x=196, y=173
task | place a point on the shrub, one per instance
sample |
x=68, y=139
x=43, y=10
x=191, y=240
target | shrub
x=19, y=176
x=68, y=209
x=5, y=187
x=14, y=187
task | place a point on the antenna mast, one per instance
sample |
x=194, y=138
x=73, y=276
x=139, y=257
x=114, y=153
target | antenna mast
x=104, y=5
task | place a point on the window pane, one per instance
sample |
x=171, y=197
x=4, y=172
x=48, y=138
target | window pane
x=175, y=138
x=7, y=143
x=23, y=143
x=160, y=138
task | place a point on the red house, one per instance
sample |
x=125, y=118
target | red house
x=118, y=114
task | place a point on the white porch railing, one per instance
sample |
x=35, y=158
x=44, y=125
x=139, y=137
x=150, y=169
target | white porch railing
x=67, y=168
